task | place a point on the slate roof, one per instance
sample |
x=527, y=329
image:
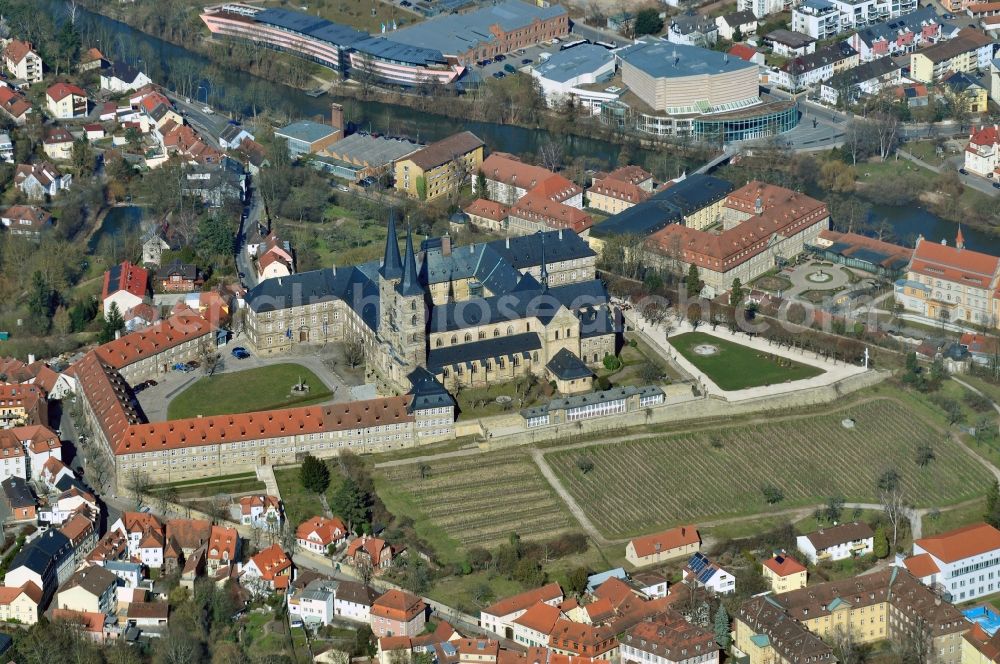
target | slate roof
x=889, y=30
x=443, y=151
x=692, y=193
x=427, y=392
x=17, y=492
x=577, y=400
x=43, y=553
x=306, y=131
x=517, y=344
x=564, y=365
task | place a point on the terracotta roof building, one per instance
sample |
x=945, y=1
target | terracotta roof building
x=679, y=542
x=760, y=224
x=669, y=638
x=485, y=213
x=156, y=349
x=863, y=253
x=784, y=573
x=319, y=533
x=398, y=613
x=28, y=220
x=950, y=282
x=837, y=542
x=499, y=616
x=440, y=168
x=268, y=571
x=22, y=61
x=955, y=561
x=126, y=286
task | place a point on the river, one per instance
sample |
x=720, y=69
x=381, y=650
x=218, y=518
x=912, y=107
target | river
x=906, y=221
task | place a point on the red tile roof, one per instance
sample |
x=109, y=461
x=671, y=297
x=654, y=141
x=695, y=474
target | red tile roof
x=328, y=530
x=272, y=563
x=90, y=621
x=131, y=278
x=921, y=565
x=482, y=207
x=153, y=340
x=8, y=593
x=665, y=541
x=541, y=617
x=222, y=543
x=61, y=90
x=988, y=645
x=14, y=103
x=508, y=169
x=988, y=135
x=16, y=50
x=10, y=446
x=247, y=503
x=619, y=189
x=398, y=605
x=523, y=601
x=784, y=565
x=536, y=206
x=962, y=266
x=36, y=216
x=743, y=51
x=961, y=543
x=632, y=174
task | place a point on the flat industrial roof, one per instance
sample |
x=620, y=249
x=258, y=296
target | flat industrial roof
x=573, y=62
x=320, y=28
x=663, y=59
x=373, y=150
x=455, y=34
x=388, y=49
x=306, y=130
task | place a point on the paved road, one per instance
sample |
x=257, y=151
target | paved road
x=243, y=263
x=209, y=125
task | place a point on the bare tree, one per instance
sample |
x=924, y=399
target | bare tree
x=845, y=646
x=890, y=493
x=354, y=351
x=551, y=153
x=138, y=482
x=72, y=8
x=209, y=357
x=914, y=642
x=363, y=566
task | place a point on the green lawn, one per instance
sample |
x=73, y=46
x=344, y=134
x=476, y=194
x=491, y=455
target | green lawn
x=263, y=388
x=298, y=503
x=736, y=367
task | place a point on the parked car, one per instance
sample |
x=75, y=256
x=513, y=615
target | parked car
x=240, y=353
x=963, y=171
x=500, y=58
x=526, y=61
x=996, y=185
x=498, y=74
x=180, y=366
x=509, y=69
x=194, y=364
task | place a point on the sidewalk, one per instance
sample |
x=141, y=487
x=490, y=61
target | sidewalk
x=833, y=371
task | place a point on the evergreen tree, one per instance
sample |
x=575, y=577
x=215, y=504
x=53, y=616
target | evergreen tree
x=881, y=545
x=113, y=323
x=992, y=516
x=348, y=503
x=481, y=186
x=314, y=475
x=737, y=35
x=722, y=636
x=693, y=281
x=736, y=293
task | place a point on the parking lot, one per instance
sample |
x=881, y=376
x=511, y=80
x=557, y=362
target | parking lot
x=521, y=59
x=155, y=400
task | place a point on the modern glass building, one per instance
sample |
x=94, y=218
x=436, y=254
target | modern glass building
x=758, y=121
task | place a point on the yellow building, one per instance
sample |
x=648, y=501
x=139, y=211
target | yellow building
x=963, y=85
x=964, y=53
x=794, y=627
x=20, y=604
x=680, y=542
x=441, y=168
x=978, y=647
x=784, y=573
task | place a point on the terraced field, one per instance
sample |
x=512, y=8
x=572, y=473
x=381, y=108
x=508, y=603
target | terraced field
x=639, y=486
x=477, y=500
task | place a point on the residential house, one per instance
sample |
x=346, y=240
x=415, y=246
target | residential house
x=41, y=179
x=965, y=90
x=651, y=584
x=971, y=50
x=961, y=562
x=148, y=615
x=92, y=625
x=261, y=511
x=703, y=572
x=125, y=285
x=540, y=211
x=692, y=30
x=21, y=405
x=740, y=23
x=898, y=36
x=41, y=444
x=23, y=63
x=27, y=220
x=353, y=601
x=268, y=571
x=47, y=561
x=532, y=629
x=81, y=531
x=319, y=533
x=441, y=168
x=914, y=95
x=232, y=136
x=864, y=80
x=274, y=258
x=12, y=456
x=89, y=589
x=398, y=613
x=952, y=283
x=121, y=77
x=216, y=184
x=143, y=533
x=73, y=497
x=94, y=131
x=14, y=105
x=806, y=71
x=53, y=471
x=311, y=598
x=223, y=548
x=178, y=277
x=58, y=144
x=65, y=101
x=499, y=617
x=762, y=8
x=789, y=43
x=20, y=603
x=90, y=60
x=508, y=179
x=784, y=573
x=979, y=646
x=679, y=542
x=6, y=148
x=669, y=638
x=20, y=498
x=748, y=53
x=153, y=246
x=837, y=542
x=372, y=550
x=253, y=155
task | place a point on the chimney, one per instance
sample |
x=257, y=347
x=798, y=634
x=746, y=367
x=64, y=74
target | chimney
x=31, y=358
x=560, y=233
x=337, y=117
x=446, y=245
x=944, y=242
x=508, y=242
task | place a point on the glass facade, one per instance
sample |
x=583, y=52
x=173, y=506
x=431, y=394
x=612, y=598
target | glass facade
x=748, y=124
